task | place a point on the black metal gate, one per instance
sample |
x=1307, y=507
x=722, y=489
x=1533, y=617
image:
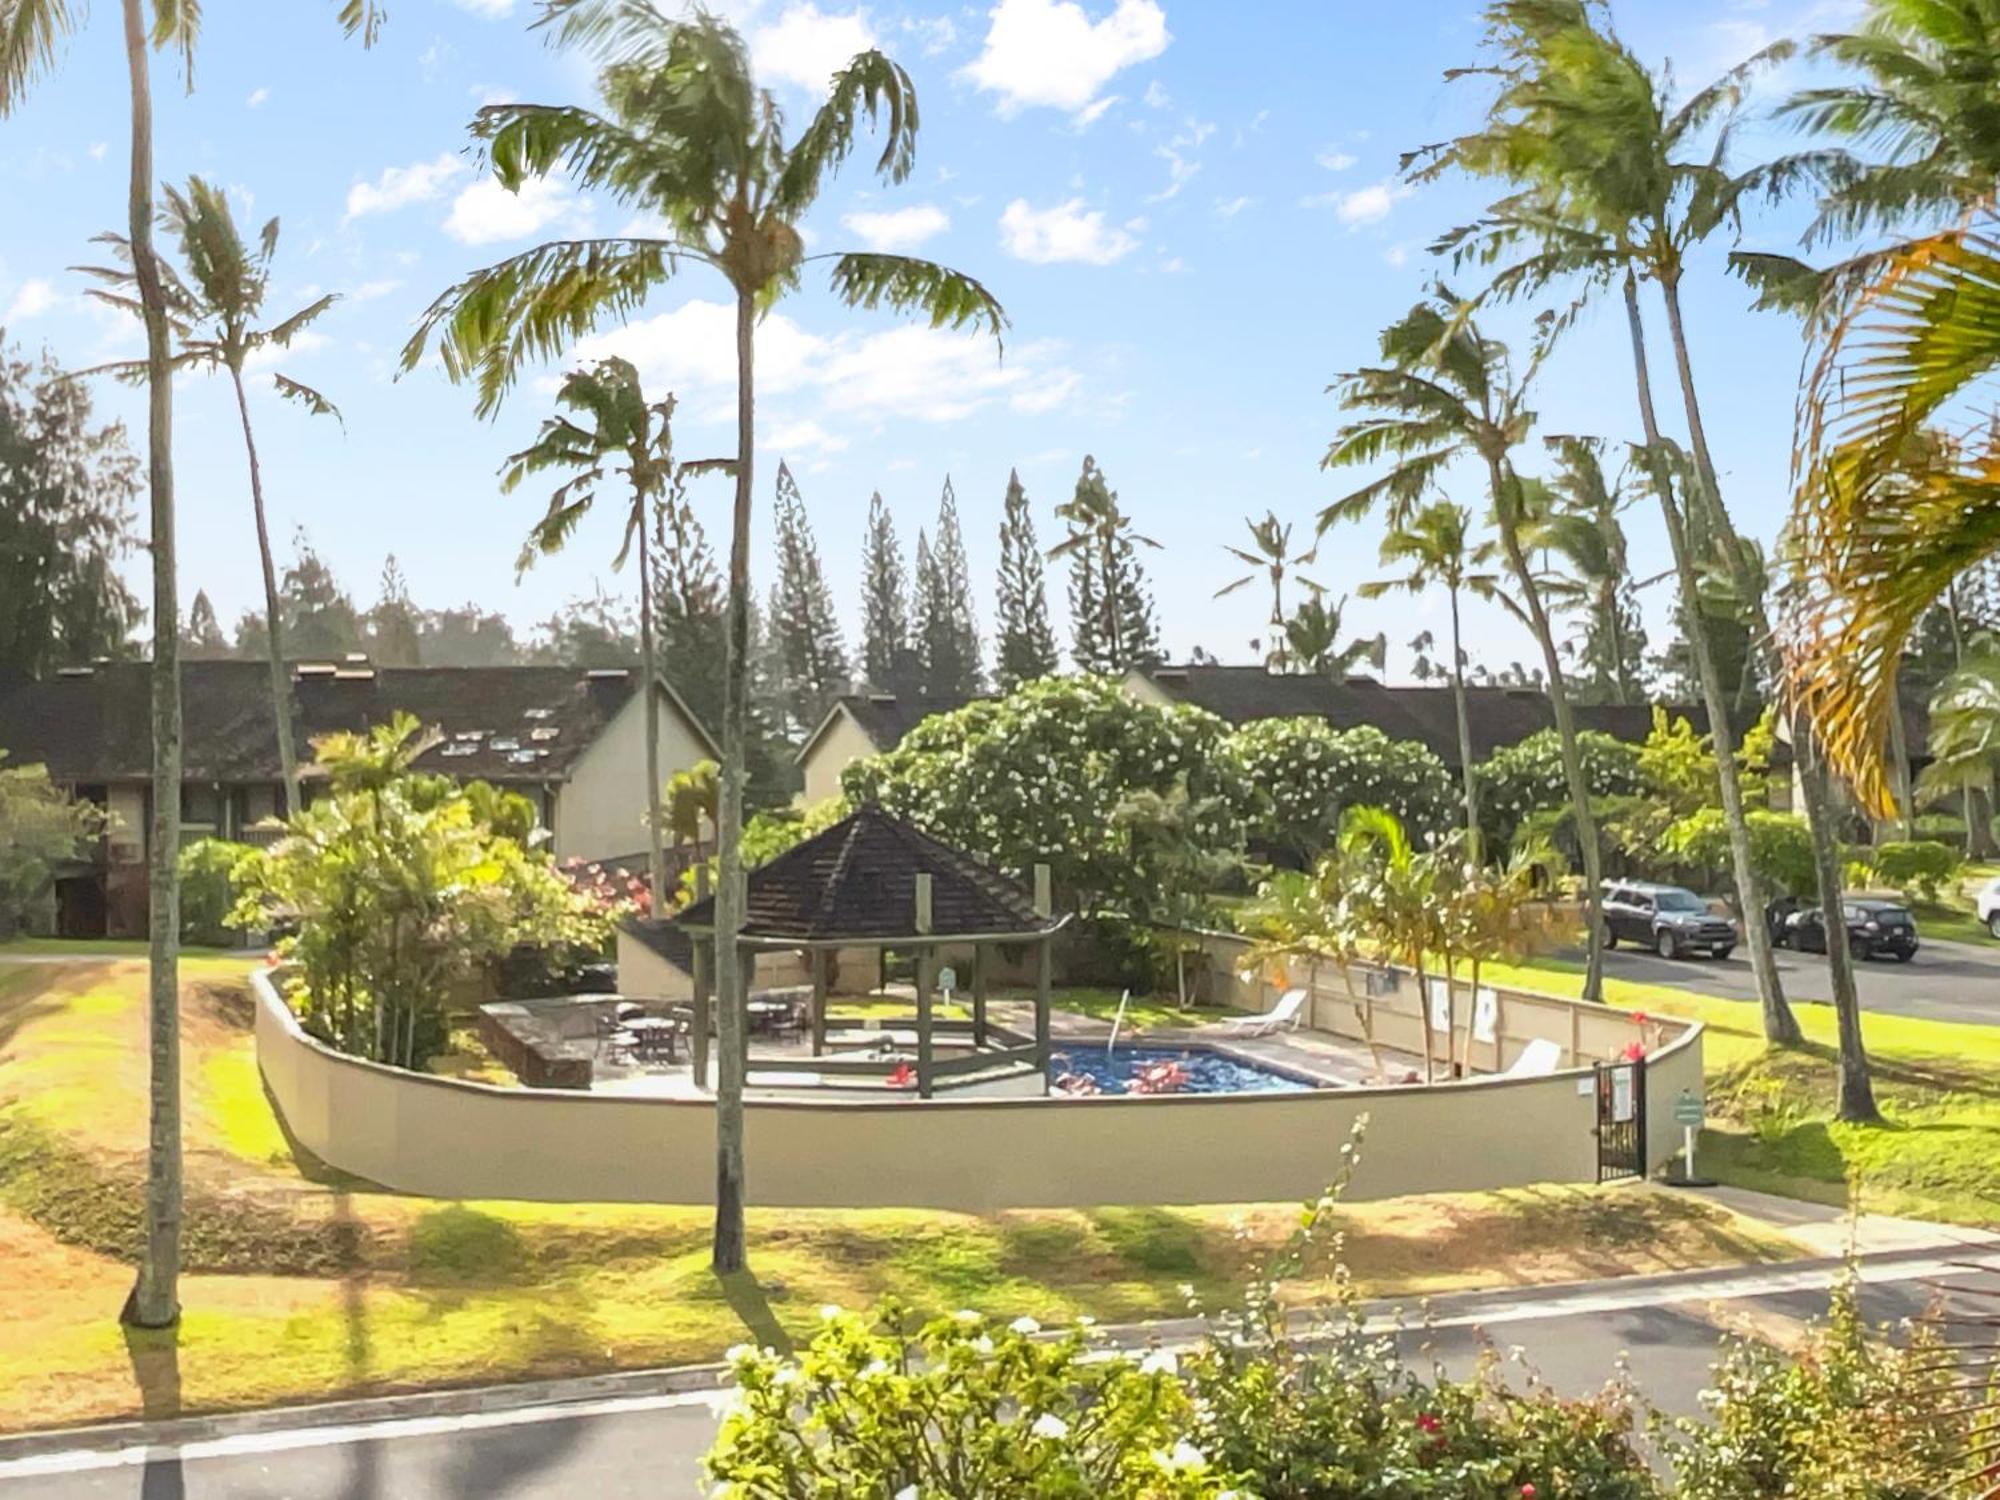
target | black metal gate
x=1621, y=1120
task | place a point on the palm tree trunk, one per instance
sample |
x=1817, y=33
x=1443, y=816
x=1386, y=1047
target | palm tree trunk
x=1467, y=772
x=727, y=1253
x=1899, y=751
x=649, y=669
x=1857, y=1095
x=1621, y=675
x=1572, y=757
x=281, y=688
x=155, y=1298
x=1780, y=1025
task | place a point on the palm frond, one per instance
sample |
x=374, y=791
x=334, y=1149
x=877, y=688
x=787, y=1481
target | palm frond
x=282, y=333
x=306, y=396
x=30, y=33
x=950, y=299
x=872, y=86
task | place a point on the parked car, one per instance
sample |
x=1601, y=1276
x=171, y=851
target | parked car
x=1669, y=919
x=1874, y=928
x=1986, y=901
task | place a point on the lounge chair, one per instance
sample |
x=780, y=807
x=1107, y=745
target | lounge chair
x=1539, y=1057
x=1284, y=1016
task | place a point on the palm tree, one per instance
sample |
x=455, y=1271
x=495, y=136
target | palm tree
x=1443, y=392
x=1398, y=899
x=1097, y=523
x=213, y=313
x=1615, y=185
x=618, y=423
x=31, y=32
x=689, y=138
x=1314, y=644
x=1965, y=725
x=1586, y=532
x=1435, y=545
x=1270, y=554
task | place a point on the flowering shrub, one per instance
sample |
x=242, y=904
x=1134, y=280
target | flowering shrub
x=958, y=1408
x=1519, y=781
x=1036, y=777
x=1304, y=774
x=612, y=895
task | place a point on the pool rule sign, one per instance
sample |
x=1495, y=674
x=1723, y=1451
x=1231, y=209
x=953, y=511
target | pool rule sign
x=1688, y=1115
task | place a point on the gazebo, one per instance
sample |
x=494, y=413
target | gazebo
x=872, y=881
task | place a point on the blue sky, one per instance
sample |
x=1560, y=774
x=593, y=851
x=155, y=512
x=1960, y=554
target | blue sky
x=1189, y=209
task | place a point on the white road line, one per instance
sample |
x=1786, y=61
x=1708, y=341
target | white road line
x=1525, y=1310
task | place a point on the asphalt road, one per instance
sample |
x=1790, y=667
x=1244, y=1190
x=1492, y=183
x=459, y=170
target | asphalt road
x=650, y=1446
x=1946, y=981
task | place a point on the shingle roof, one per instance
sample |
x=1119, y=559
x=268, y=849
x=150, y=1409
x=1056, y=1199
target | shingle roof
x=858, y=881
x=884, y=717
x=1497, y=716
x=496, y=723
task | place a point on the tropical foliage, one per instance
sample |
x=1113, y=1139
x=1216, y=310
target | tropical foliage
x=40, y=826
x=1303, y=774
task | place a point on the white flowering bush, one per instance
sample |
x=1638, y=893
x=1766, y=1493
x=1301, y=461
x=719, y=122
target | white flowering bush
x=959, y=1408
x=1305, y=774
x=1035, y=777
x=1520, y=781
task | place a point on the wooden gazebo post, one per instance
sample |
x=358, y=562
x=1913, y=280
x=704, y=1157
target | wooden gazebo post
x=979, y=994
x=820, y=986
x=1044, y=907
x=698, y=1020
x=923, y=987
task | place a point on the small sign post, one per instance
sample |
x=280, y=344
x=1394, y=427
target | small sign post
x=1688, y=1115
x=947, y=981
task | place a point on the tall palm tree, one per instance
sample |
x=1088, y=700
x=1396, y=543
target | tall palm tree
x=213, y=312
x=618, y=423
x=1444, y=392
x=688, y=137
x=1616, y=184
x=31, y=32
x=1436, y=547
x=1399, y=898
x=1965, y=725
x=1586, y=532
x=1270, y=554
x=1317, y=643
x=1097, y=523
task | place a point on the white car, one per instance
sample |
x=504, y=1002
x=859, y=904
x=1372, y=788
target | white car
x=1987, y=904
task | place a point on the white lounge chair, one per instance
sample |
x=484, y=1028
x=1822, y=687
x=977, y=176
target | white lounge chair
x=1538, y=1058
x=1284, y=1016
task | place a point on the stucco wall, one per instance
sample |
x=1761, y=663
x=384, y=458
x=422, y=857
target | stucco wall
x=601, y=809
x=834, y=751
x=449, y=1138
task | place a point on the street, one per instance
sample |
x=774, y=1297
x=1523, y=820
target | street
x=1946, y=981
x=649, y=1446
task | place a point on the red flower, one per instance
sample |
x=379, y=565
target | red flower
x=1428, y=1423
x=1635, y=1052
x=1642, y=1018
x=902, y=1076
x=1528, y=1492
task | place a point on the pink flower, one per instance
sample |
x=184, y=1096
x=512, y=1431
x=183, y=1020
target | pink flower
x=1635, y=1052
x=1428, y=1423
x=1528, y=1492
x=1641, y=1017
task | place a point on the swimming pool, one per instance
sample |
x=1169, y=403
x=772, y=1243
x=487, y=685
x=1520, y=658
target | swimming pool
x=1164, y=1070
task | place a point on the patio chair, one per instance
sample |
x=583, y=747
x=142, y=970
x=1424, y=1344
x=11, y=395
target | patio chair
x=1284, y=1016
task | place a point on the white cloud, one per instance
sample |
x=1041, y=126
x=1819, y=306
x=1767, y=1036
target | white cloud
x=934, y=35
x=1369, y=205
x=267, y=356
x=1173, y=265
x=1047, y=392
x=368, y=291
x=33, y=299
x=1157, y=96
x=1090, y=114
x=922, y=373
x=1066, y=232
x=1178, y=154
x=804, y=437
x=898, y=229
x=257, y=96
x=487, y=10
x=398, y=187
x=807, y=46
x=486, y=213
x=1050, y=53
x=1229, y=208
x=694, y=347
x=98, y=149
x=1335, y=160
x=493, y=93
x=1397, y=255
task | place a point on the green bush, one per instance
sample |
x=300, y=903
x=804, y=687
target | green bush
x=1304, y=774
x=1780, y=848
x=1919, y=868
x=208, y=890
x=1518, y=781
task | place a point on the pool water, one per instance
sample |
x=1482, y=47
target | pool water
x=1197, y=1070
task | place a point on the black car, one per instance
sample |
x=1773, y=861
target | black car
x=1669, y=919
x=1874, y=928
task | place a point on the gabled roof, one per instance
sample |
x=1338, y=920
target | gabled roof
x=1496, y=716
x=857, y=882
x=884, y=717
x=520, y=724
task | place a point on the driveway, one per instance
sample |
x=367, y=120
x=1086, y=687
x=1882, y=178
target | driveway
x=1945, y=982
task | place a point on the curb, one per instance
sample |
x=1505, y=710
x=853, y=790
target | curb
x=1413, y=1314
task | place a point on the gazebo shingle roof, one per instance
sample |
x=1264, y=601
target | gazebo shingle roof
x=858, y=881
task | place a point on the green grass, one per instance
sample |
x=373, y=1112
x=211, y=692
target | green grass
x=1937, y=1154
x=301, y=1285
x=34, y=947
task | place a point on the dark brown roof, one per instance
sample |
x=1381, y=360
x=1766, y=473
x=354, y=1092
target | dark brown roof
x=1497, y=716
x=884, y=717
x=497, y=723
x=858, y=881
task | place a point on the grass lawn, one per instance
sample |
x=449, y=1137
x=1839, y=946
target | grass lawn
x=1771, y=1127
x=304, y=1286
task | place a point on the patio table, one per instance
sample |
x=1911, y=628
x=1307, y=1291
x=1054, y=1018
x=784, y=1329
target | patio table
x=653, y=1035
